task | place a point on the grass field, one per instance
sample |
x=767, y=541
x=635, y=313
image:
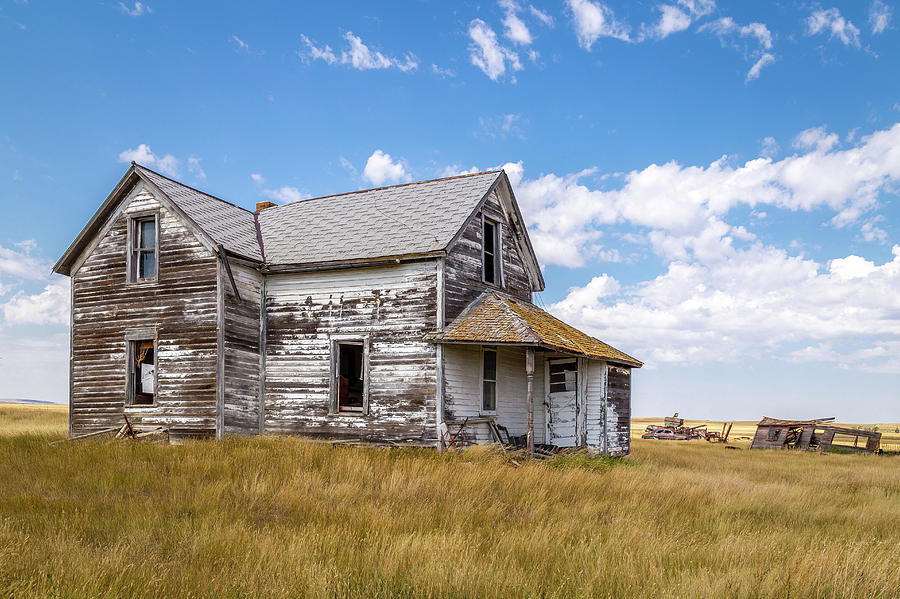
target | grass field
x=278, y=517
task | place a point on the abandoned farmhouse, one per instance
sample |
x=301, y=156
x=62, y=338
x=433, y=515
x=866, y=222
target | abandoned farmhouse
x=401, y=314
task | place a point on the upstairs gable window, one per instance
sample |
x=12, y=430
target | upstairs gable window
x=143, y=258
x=491, y=251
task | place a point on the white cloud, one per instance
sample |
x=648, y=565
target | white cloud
x=381, y=168
x=348, y=166
x=21, y=264
x=880, y=16
x=764, y=60
x=444, y=73
x=541, y=16
x=137, y=9
x=454, y=170
x=769, y=147
x=257, y=178
x=673, y=19
x=488, y=54
x=683, y=207
x=593, y=20
x=241, y=45
x=285, y=194
x=833, y=23
x=50, y=306
x=193, y=166
x=357, y=55
x=166, y=164
x=726, y=29
x=515, y=28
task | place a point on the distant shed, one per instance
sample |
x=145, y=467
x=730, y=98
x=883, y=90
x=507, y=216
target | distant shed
x=820, y=435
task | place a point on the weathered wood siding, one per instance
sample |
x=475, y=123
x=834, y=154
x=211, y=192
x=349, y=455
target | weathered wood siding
x=181, y=305
x=462, y=368
x=395, y=306
x=618, y=410
x=241, y=352
x=462, y=273
x=595, y=398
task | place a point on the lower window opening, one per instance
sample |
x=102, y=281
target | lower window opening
x=351, y=380
x=143, y=382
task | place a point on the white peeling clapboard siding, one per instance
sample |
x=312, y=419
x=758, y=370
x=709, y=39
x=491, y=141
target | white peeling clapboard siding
x=594, y=397
x=395, y=306
x=462, y=270
x=618, y=410
x=462, y=392
x=241, y=400
x=182, y=304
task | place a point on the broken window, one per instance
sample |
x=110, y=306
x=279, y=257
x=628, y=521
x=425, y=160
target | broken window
x=563, y=375
x=350, y=376
x=845, y=440
x=774, y=434
x=489, y=380
x=491, y=267
x=142, y=371
x=143, y=249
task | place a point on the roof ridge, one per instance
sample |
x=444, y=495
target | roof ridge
x=177, y=182
x=503, y=299
x=347, y=193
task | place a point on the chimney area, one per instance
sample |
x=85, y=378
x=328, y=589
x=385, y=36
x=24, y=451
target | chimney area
x=260, y=206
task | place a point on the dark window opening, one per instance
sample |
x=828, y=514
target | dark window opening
x=773, y=435
x=143, y=249
x=489, y=381
x=143, y=372
x=490, y=263
x=562, y=376
x=792, y=438
x=351, y=377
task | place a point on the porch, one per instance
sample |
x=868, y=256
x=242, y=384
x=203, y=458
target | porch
x=508, y=367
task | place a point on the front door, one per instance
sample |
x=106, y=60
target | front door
x=561, y=401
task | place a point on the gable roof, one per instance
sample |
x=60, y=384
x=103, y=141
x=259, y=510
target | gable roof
x=414, y=218
x=496, y=318
x=230, y=225
x=411, y=219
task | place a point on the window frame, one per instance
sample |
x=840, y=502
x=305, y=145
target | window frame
x=334, y=342
x=482, y=410
x=498, y=252
x=131, y=339
x=133, y=253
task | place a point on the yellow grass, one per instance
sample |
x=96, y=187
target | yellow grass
x=17, y=419
x=278, y=517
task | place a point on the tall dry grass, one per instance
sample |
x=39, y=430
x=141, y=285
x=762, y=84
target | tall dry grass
x=278, y=517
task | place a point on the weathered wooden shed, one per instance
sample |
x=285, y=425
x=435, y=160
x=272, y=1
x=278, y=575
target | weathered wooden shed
x=821, y=435
x=381, y=315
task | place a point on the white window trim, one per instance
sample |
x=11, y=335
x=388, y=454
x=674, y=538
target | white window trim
x=498, y=252
x=131, y=268
x=481, y=409
x=130, y=338
x=334, y=372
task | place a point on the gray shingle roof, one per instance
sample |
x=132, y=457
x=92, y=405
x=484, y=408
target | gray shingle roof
x=388, y=221
x=230, y=225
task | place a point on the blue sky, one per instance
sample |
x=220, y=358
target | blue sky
x=710, y=186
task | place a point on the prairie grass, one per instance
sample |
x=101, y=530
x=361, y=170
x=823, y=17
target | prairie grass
x=280, y=517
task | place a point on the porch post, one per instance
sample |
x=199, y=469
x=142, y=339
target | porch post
x=529, y=372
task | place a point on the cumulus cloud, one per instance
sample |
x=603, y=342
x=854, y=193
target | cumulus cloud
x=22, y=264
x=831, y=22
x=381, y=168
x=880, y=16
x=50, y=306
x=674, y=18
x=541, y=16
x=593, y=20
x=356, y=55
x=194, y=168
x=515, y=28
x=285, y=194
x=725, y=294
x=166, y=163
x=257, y=178
x=488, y=54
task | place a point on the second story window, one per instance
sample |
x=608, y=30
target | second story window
x=143, y=263
x=490, y=253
